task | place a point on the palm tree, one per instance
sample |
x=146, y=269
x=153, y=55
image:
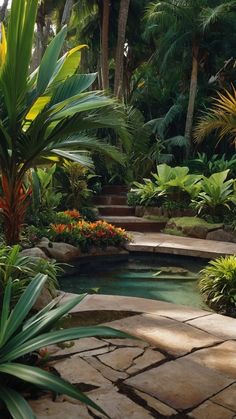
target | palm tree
x=220, y=119
x=187, y=24
x=105, y=44
x=45, y=115
x=120, y=46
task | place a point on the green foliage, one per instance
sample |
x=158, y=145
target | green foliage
x=21, y=269
x=170, y=183
x=207, y=166
x=21, y=336
x=86, y=235
x=217, y=194
x=218, y=285
x=44, y=194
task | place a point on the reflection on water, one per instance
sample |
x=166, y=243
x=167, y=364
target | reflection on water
x=172, y=279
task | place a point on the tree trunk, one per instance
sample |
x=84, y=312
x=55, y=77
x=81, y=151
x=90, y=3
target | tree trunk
x=105, y=46
x=192, y=97
x=67, y=12
x=3, y=10
x=119, y=61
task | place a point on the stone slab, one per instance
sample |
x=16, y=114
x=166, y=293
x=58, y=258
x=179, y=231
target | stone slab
x=168, y=335
x=122, y=303
x=106, y=371
x=227, y=398
x=181, y=384
x=209, y=410
x=216, y=324
x=45, y=408
x=121, y=358
x=77, y=370
x=118, y=406
x=221, y=358
x=149, y=358
x=81, y=345
x=188, y=246
x=155, y=404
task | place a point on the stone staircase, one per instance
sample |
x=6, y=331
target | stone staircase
x=113, y=208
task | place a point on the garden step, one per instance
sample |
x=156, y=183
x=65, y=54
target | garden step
x=114, y=190
x=135, y=223
x=114, y=210
x=110, y=200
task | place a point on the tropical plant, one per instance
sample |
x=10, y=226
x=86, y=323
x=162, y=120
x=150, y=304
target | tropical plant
x=217, y=194
x=47, y=114
x=209, y=165
x=184, y=29
x=44, y=194
x=73, y=180
x=21, y=269
x=169, y=183
x=218, y=284
x=86, y=235
x=220, y=119
x=21, y=336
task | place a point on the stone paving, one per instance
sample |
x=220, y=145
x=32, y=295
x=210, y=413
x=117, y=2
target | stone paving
x=174, y=245
x=183, y=366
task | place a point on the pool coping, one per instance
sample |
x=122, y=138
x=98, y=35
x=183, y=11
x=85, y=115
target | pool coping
x=175, y=245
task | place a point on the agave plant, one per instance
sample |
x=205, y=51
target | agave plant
x=218, y=284
x=46, y=114
x=20, y=336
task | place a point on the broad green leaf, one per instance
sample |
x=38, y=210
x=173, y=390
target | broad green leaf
x=40, y=322
x=68, y=64
x=49, y=60
x=16, y=404
x=47, y=381
x=72, y=87
x=58, y=336
x=23, y=306
x=37, y=107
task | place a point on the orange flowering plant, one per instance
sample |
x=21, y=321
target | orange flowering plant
x=85, y=234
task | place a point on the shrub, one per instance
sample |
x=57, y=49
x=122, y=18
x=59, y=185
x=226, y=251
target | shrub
x=168, y=184
x=86, y=235
x=218, y=285
x=217, y=194
x=21, y=338
x=21, y=269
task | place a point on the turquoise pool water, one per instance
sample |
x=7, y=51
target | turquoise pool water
x=171, y=279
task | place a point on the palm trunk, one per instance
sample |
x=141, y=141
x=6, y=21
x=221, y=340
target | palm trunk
x=192, y=98
x=67, y=12
x=119, y=62
x=105, y=46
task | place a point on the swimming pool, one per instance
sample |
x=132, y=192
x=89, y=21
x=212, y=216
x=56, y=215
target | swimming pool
x=159, y=277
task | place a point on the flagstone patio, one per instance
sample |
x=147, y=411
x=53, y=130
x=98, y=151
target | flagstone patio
x=184, y=366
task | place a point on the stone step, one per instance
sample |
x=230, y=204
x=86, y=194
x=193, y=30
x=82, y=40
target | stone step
x=110, y=200
x=116, y=210
x=114, y=190
x=135, y=223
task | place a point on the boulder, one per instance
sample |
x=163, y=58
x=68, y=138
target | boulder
x=61, y=252
x=221, y=235
x=192, y=226
x=44, y=299
x=34, y=252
